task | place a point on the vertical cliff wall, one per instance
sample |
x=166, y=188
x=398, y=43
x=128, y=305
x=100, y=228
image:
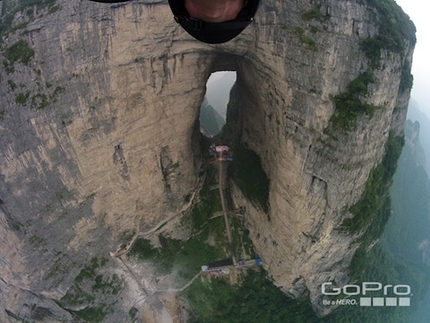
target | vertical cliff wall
x=99, y=135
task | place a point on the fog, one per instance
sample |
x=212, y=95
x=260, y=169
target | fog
x=218, y=89
x=416, y=9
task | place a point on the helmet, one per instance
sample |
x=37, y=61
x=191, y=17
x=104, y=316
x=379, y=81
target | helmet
x=214, y=32
x=209, y=32
x=110, y=1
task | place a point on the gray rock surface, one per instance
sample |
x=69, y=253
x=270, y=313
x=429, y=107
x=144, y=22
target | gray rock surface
x=106, y=143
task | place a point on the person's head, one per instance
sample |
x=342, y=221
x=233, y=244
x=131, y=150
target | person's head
x=214, y=10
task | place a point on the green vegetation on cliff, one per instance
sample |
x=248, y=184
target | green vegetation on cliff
x=30, y=8
x=305, y=39
x=372, y=210
x=254, y=299
x=20, y=51
x=21, y=98
x=89, y=291
x=38, y=100
x=395, y=28
x=407, y=79
x=349, y=104
x=314, y=14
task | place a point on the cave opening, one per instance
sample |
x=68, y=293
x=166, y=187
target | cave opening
x=213, y=110
x=242, y=126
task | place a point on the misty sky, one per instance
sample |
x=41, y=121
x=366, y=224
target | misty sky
x=418, y=12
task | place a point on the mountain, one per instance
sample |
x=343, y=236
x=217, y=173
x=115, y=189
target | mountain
x=211, y=122
x=409, y=227
x=415, y=114
x=100, y=145
x=407, y=234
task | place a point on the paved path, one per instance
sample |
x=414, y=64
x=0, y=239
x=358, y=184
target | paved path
x=217, y=214
x=221, y=181
x=141, y=286
x=179, y=289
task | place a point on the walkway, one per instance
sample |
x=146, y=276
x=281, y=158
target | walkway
x=179, y=289
x=221, y=182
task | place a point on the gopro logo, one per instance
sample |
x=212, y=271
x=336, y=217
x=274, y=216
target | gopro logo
x=395, y=295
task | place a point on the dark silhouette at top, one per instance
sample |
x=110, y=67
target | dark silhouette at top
x=211, y=21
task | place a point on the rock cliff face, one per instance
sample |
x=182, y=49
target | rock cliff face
x=99, y=137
